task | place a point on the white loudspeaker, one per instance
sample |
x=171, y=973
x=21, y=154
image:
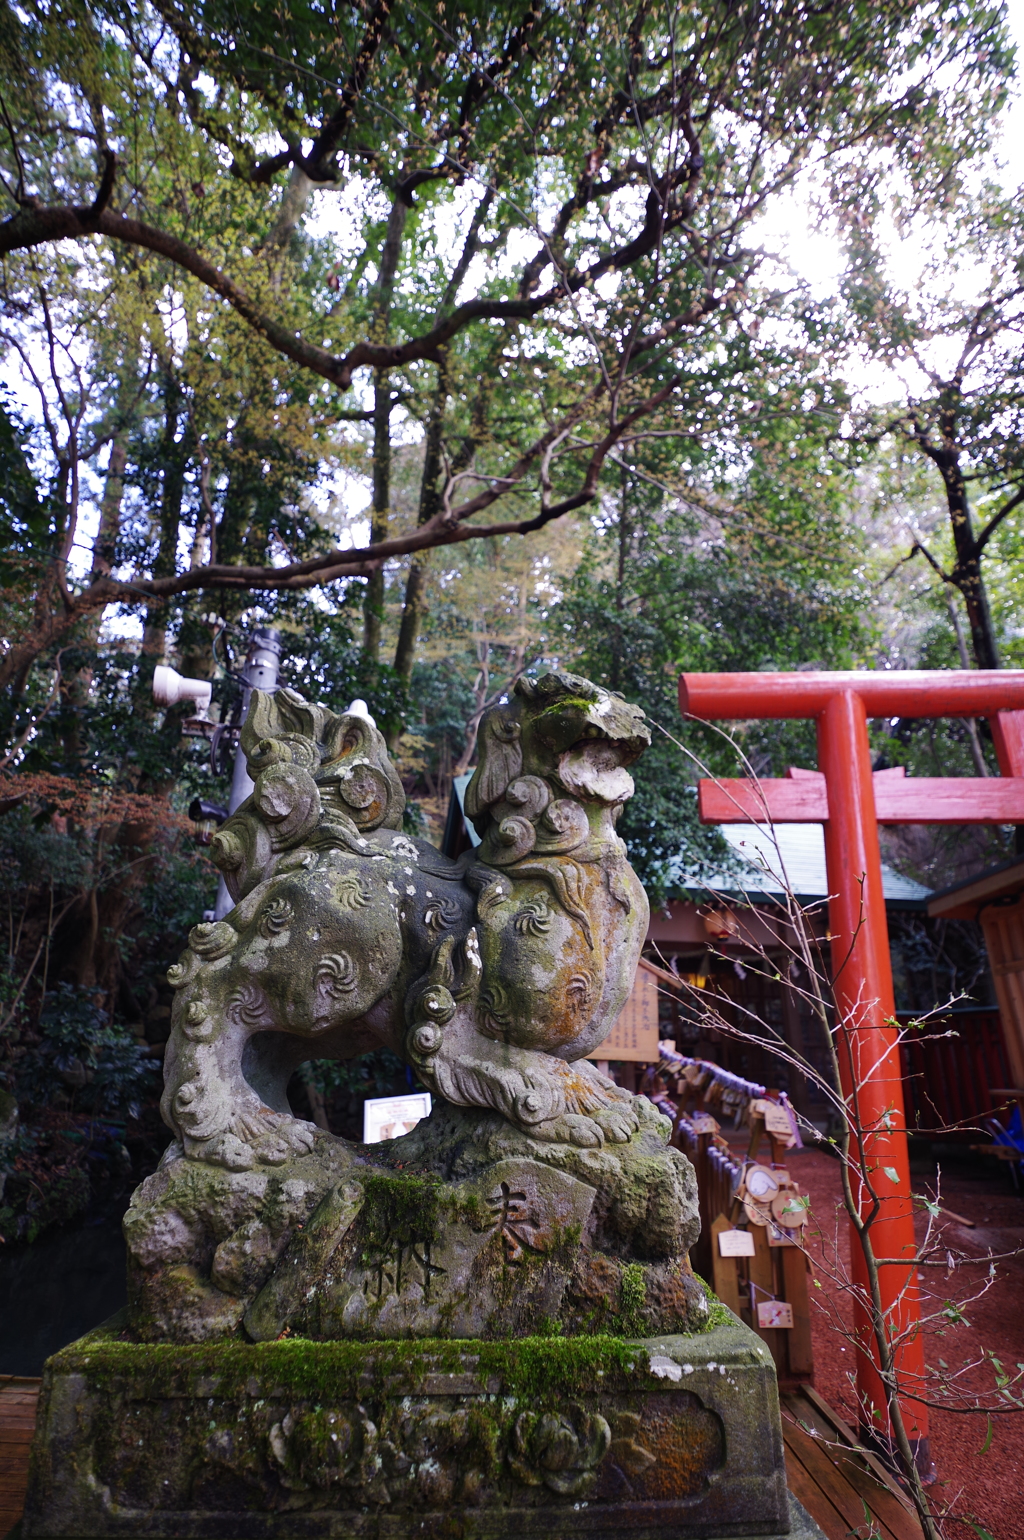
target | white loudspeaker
x=170, y=687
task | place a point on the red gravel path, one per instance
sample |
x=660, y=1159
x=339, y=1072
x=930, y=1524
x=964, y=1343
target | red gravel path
x=988, y=1488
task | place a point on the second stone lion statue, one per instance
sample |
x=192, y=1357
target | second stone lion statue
x=494, y=975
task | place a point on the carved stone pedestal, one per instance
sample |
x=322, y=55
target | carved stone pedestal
x=542, y=1437
x=465, y=1227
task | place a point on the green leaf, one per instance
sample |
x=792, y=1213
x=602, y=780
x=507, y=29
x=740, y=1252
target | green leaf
x=892, y=1173
x=987, y=1445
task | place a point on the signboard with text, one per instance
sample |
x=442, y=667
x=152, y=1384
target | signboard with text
x=389, y=1117
x=634, y=1036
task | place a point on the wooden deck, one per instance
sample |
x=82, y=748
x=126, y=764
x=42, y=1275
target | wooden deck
x=18, y=1399
x=842, y=1486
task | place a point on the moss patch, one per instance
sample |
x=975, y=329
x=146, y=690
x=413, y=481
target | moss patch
x=633, y=1298
x=718, y=1314
x=532, y=1369
x=403, y=1208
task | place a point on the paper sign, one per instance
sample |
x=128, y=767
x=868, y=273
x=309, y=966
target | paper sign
x=634, y=1037
x=774, y=1313
x=388, y=1117
x=735, y=1243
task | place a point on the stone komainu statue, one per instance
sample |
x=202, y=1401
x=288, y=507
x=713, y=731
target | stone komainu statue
x=496, y=1219
x=493, y=975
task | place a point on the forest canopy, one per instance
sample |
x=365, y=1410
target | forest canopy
x=458, y=342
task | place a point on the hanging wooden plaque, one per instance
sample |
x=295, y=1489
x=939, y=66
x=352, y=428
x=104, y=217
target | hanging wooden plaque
x=634, y=1037
x=773, y=1314
x=736, y=1243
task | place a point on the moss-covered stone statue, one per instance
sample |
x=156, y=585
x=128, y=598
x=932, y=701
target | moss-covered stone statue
x=539, y=1193
x=463, y=1329
x=494, y=976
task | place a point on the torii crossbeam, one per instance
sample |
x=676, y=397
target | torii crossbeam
x=850, y=802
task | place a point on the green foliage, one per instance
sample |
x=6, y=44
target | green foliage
x=668, y=587
x=61, y=1196
x=77, y=1050
x=323, y=662
x=22, y=514
x=951, y=344
x=371, y=1074
x=33, y=854
x=632, y=1298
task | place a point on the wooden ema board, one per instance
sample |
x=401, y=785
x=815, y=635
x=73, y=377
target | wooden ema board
x=634, y=1037
x=18, y=1398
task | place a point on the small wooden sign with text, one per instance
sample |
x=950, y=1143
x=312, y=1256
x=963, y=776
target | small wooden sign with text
x=736, y=1243
x=776, y=1120
x=634, y=1037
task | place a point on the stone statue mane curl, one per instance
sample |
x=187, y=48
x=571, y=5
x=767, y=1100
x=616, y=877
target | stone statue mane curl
x=494, y=976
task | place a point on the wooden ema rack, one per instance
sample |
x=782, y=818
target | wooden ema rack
x=775, y=1271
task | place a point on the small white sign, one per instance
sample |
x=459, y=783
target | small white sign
x=389, y=1117
x=774, y=1313
x=735, y=1243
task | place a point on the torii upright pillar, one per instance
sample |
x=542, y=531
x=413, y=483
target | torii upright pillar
x=850, y=802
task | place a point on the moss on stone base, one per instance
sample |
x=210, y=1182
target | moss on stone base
x=344, y=1440
x=532, y=1368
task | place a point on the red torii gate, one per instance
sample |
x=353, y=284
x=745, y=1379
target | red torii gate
x=850, y=802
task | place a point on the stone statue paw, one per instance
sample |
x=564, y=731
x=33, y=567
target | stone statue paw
x=570, y=1128
x=603, y=1125
x=273, y=1136
x=263, y=1137
x=605, y=1087
x=618, y=1124
x=222, y=1150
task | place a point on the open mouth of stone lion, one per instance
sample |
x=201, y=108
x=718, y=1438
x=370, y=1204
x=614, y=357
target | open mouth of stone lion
x=593, y=769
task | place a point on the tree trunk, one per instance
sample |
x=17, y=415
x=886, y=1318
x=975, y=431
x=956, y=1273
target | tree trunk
x=373, y=603
x=104, y=547
x=413, y=610
x=625, y=534
x=430, y=497
x=51, y=621
x=967, y=570
x=174, y=455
